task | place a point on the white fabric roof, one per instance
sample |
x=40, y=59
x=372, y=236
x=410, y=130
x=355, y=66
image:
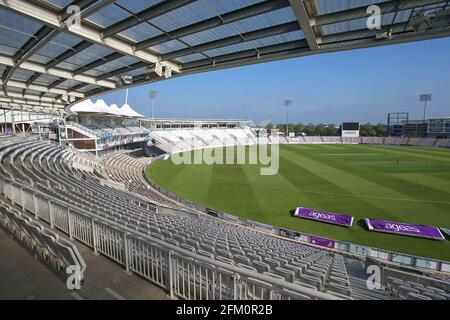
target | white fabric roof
x=128, y=111
x=100, y=106
x=114, y=109
x=85, y=106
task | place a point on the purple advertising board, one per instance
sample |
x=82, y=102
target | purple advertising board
x=407, y=229
x=323, y=242
x=323, y=216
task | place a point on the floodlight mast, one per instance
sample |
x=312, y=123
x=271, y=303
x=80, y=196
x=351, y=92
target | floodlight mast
x=152, y=94
x=287, y=104
x=425, y=98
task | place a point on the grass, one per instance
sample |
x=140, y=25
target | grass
x=359, y=180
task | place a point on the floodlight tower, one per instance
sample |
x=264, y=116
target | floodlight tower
x=287, y=104
x=152, y=94
x=424, y=98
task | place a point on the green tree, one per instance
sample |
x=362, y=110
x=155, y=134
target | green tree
x=331, y=130
x=381, y=130
x=367, y=130
x=310, y=129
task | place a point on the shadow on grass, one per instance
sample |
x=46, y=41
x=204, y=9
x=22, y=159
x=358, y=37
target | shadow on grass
x=363, y=224
x=292, y=212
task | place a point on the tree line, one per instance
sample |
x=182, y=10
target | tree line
x=366, y=130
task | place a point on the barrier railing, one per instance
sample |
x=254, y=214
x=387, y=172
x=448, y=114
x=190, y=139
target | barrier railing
x=181, y=273
x=401, y=259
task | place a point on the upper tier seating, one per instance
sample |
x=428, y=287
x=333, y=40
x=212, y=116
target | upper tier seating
x=123, y=168
x=188, y=139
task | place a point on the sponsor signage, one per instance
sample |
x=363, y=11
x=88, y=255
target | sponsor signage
x=350, y=133
x=323, y=216
x=288, y=234
x=106, y=136
x=350, y=129
x=323, y=242
x=407, y=229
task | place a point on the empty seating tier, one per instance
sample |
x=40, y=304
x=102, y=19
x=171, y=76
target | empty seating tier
x=120, y=225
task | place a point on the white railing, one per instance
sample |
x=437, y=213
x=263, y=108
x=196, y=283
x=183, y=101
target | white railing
x=181, y=273
x=89, y=132
x=397, y=258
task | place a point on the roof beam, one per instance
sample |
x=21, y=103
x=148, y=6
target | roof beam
x=25, y=85
x=362, y=38
x=18, y=105
x=33, y=97
x=147, y=14
x=98, y=63
x=55, y=83
x=37, y=41
x=250, y=11
x=99, y=5
x=299, y=8
x=248, y=36
x=33, y=78
x=82, y=4
x=78, y=86
x=361, y=12
x=122, y=70
x=68, y=54
x=36, y=67
x=31, y=103
x=259, y=53
x=48, y=17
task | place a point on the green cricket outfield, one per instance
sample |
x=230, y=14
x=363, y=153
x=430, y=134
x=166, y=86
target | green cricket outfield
x=405, y=184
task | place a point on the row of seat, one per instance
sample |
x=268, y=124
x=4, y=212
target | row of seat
x=187, y=139
x=421, y=142
x=123, y=168
x=411, y=290
x=44, y=163
x=45, y=243
x=47, y=167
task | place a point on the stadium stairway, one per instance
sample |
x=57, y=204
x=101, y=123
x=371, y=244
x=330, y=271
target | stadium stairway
x=357, y=276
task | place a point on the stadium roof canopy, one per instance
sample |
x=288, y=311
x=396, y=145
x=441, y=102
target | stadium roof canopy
x=48, y=61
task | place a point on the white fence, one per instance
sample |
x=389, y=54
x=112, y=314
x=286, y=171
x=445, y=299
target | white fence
x=182, y=273
x=344, y=247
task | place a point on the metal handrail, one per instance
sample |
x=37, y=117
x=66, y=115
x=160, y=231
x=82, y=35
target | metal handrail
x=237, y=271
x=390, y=252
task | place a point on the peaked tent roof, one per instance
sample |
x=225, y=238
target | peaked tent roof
x=128, y=111
x=114, y=109
x=100, y=106
x=86, y=106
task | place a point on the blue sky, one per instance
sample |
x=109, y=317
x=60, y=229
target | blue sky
x=359, y=85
